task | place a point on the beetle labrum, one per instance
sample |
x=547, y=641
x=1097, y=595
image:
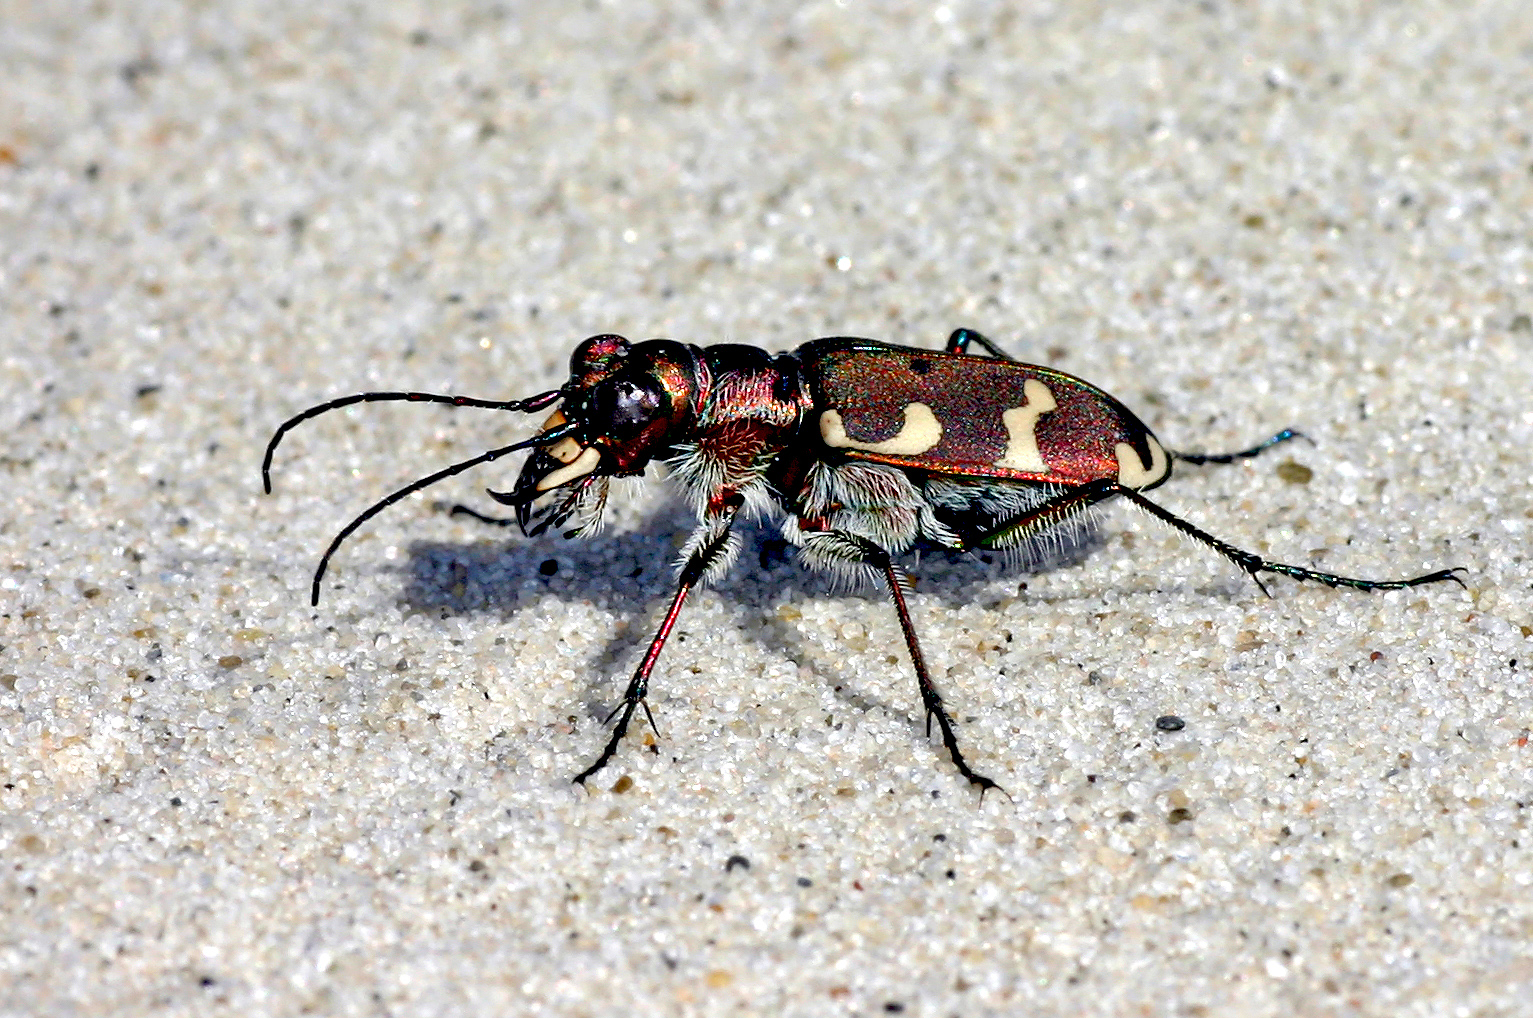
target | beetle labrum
x=862, y=448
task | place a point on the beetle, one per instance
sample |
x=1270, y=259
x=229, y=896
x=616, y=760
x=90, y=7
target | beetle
x=862, y=449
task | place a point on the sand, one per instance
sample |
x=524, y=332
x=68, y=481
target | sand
x=215, y=799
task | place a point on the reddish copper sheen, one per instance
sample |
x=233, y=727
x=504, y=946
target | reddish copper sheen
x=871, y=386
x=596, y=358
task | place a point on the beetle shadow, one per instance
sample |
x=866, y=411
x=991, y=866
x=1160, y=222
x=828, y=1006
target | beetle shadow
x=955, y=579
x=632, y=574
x=497, y=577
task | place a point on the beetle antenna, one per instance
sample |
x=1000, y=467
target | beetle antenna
x=546, y=437
x=527, y=405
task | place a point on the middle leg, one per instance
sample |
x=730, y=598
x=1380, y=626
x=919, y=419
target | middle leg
x=840, y=547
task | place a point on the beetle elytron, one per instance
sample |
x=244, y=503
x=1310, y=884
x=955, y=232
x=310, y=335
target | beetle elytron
x=864, y=449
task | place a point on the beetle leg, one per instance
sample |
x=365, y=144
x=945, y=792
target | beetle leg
x=1057, y=511
x=930, y=698
x=1196, y=458
x=1253, y=563
x=459, y=509
x=855, y=549
x=711, y=547
x=959, y=342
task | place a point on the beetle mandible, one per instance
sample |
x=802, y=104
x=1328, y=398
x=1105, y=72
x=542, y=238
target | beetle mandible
x=863, y=449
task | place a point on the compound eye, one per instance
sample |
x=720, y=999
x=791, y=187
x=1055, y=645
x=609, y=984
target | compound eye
x=624, y=408
x=598, y=353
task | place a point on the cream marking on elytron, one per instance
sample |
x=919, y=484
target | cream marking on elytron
x=1131, y=469
x=1022, y=426
x=920, y=432
x=582, y=465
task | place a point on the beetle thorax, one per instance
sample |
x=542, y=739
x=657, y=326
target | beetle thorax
x=749, y=408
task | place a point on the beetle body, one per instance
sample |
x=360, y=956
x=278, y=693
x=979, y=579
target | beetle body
x=861, y=449
x=842, y=437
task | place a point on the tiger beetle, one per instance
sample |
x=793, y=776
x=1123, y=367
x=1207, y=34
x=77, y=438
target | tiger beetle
x=862, y=449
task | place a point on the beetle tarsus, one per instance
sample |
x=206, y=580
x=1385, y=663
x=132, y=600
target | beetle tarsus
x=459, y=509
x=1254, y=564
x=610, y=749
x=1199, y=458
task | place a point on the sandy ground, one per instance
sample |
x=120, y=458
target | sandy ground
x=215, y=799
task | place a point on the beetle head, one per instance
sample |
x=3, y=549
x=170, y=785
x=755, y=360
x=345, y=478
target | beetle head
x=626, y=405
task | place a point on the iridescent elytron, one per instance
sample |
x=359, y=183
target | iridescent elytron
x=861, y=449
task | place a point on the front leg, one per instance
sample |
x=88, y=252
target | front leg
x=711, y=550
x=836, y=548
